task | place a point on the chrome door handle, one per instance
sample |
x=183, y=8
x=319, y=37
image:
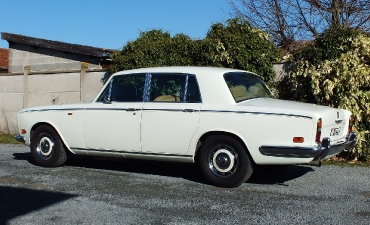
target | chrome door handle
x=131, y=109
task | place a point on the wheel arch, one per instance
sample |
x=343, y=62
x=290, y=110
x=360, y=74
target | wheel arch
x=226, y=133
x=35, y=126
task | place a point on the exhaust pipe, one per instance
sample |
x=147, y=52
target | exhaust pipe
x=315, y=162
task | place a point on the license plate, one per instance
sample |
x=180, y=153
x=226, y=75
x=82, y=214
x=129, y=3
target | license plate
x=335, y=131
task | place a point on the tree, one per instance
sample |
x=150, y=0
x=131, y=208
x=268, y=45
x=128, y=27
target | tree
x=155, y=48
x=234, y=45
x=291, y=20
x=241, y=46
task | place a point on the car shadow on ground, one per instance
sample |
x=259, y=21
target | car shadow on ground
x=16, y=201
x=187, y=171
x=279, y=177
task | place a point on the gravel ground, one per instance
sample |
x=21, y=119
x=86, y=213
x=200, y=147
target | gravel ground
x=89, y=191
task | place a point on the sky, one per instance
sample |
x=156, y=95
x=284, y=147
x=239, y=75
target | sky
x=108, y=23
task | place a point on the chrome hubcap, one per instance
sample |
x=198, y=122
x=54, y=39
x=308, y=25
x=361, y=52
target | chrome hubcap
x=45, y=147
x=223, y=161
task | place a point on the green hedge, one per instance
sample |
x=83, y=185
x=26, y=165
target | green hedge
x=335, y=71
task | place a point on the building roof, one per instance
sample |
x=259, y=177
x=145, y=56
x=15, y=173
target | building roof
x=4, y=55
x=56, y=45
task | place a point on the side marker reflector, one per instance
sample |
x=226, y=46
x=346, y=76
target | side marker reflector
x=298, y=139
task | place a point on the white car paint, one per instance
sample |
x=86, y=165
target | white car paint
x=169, y=131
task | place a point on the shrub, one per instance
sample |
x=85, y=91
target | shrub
x=335, y=71
x=235, y=45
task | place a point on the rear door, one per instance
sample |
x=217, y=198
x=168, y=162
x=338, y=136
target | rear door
x=170, y=114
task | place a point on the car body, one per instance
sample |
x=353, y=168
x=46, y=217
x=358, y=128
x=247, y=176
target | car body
x=224, y=119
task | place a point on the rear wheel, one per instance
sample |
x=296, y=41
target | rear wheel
x=47, y=149
x=224, y=161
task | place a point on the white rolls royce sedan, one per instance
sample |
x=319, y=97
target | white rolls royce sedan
x=225, y=120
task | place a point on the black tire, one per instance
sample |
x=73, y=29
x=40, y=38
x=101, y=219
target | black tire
x=47, y=149
x=224, y=161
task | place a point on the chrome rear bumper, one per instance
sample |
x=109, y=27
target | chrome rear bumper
x=322, y=152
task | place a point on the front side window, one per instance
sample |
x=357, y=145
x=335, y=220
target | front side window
x=124, y=88
x=245, y=86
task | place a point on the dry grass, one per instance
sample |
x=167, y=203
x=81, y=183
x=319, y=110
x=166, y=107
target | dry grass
x=8, y=139
x=343, y=161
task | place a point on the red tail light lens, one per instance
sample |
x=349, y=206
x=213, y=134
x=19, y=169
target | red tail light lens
x=351, y=122
x=318, y=131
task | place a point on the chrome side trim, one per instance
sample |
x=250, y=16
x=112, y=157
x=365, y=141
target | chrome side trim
x=20, y=138
x=45, y=110
x=171, y=110
x=128, y=152
x=81, y=109
x=109, y=109
x=257, y=113
x=321, y=152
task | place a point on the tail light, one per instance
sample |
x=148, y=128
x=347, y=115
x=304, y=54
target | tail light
x=351, y=122
x=318, y=131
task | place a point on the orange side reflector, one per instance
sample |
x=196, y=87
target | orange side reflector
x=69, y=114
x=23, y=131
x=298, y=139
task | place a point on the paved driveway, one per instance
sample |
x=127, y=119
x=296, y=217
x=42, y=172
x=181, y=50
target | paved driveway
x=89, y=191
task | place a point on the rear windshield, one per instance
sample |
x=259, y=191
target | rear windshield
x=245, y=86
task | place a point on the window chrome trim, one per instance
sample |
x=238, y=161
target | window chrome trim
x=148, y=79
x=185, y=88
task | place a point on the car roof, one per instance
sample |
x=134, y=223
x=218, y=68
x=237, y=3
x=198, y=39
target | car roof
x=213, y=87
x=180, y=69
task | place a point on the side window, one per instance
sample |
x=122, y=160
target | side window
x=192, y=93
x=124, y=88
x=245, y=86
x=167, y=87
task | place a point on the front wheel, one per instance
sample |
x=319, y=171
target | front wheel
x=224, y=161
x=47, y=149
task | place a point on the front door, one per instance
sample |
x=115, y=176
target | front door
x=113, y=122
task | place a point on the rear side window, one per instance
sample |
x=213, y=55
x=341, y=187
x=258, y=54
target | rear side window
x=173, y=88
x=245, y=86
x=192, y=93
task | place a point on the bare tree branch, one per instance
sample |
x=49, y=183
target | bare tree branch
x=290, y=20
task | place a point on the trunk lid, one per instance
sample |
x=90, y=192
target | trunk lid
x=334, y=121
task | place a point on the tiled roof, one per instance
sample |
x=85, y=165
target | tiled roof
x=4, y=56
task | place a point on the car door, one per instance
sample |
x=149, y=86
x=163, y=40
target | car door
x=113, y=123
x=170, y=114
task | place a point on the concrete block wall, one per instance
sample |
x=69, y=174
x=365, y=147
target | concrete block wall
x=48, y=89
x=11, y=101
x=44, y=89
x=43, y=59
x=93, y=83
